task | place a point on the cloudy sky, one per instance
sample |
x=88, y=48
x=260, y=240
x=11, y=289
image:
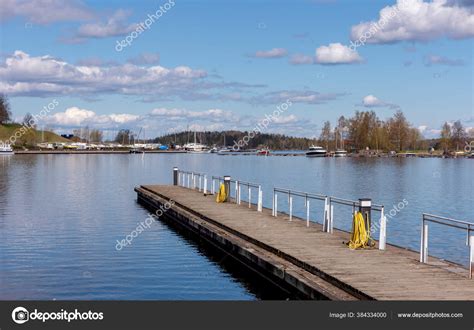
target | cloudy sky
x=168, y=65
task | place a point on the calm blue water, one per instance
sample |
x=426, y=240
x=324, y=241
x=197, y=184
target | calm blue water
x=60, y=217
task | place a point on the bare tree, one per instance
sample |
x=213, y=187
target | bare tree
x=446, y=136
x=5, y=113
x=459, y=135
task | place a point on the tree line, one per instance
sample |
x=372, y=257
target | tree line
x=364, y=130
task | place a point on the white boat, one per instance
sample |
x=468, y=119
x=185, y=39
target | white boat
x=196, y=148
x=6, y=149
x=316, y=151
x=340, y=153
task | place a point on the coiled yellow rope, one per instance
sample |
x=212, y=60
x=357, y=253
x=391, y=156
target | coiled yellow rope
x=221, y=194
x=360, y=237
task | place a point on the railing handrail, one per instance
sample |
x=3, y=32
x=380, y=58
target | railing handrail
x=300, y=193
x=427, y=216
x=450, y=222
x=192, y=172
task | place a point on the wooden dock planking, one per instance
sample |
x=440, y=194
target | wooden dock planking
x=393, y=274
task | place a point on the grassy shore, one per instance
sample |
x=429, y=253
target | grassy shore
x=27, y=137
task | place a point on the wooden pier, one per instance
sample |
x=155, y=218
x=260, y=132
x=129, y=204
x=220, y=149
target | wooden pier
x=315, y=263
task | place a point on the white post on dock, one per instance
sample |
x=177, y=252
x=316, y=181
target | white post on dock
x=291, y=208
x=275, y=204
x=260, y=199
x=213, y=187
x=189, y=178
x=471, y=256
x=237, y=192
x=331, y=220
x=307, y=213
x=200, y=182
x=250, y=197
x=424, y=244
x=205, y=185
x=383, y=230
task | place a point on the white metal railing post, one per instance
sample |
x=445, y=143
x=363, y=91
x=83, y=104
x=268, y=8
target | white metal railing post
x=205, y=185
x=250, y=197
x=291, y=208
x=383, y=230
x=422, y=236
x=260, y=199
x=200, y=182
x=189, y=180
x=213, y=187
x=471, y=256
x=424, y=243
x=275, y=202
x=331, y=218
x=237, y=192
x=307, y=213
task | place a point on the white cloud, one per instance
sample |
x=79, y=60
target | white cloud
x=301, y=59
x=75, y=117
x=306, y=96
x=422, y=128
x=416, y=20
x=114, y=26
x=336, y=53
x=22, y=74
x=45, y=11
x=273, y=53
x=207, y=115
x=145, y=58
x=371, y=101
x=285, y=119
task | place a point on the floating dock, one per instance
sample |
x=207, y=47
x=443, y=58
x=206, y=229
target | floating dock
x=314, y=263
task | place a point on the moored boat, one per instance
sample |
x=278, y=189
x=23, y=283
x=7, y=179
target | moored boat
x=316, y=151
x=340, y=153
x=263, y=152
x=6, y=149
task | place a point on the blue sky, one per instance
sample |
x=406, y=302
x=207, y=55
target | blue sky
x=225, y=64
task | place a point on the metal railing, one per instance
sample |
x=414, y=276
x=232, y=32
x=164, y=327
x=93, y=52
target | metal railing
x=453, y=223
x=292, y=193
x=237, y=189
x=192, y=180
x=328, y=214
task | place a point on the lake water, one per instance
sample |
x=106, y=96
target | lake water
x=61, y=215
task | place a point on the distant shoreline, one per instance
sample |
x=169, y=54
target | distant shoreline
x=287, y=153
